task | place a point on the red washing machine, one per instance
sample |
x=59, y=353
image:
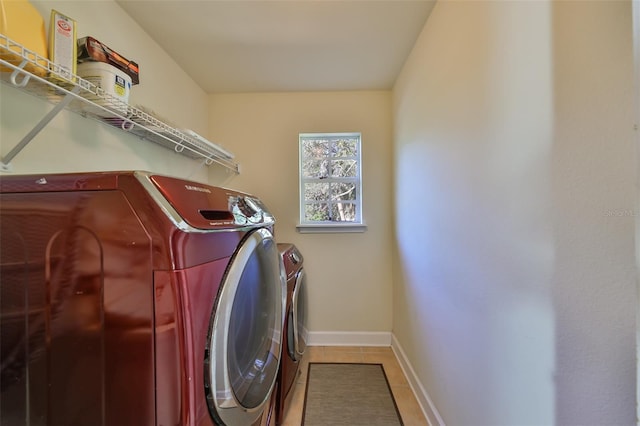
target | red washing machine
x=295, y=333
x=129, y=298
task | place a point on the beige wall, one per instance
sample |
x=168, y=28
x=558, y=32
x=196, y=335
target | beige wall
x=515, y=298
x=71, y=143
x=349, y=275
x=636, y=56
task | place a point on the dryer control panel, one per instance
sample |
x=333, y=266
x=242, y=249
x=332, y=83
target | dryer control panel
x=208, y=207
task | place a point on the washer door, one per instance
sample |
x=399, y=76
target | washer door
x=299, y=317
x=245, y=335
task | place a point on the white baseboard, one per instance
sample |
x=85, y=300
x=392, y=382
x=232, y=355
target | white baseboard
x=349, y=338
x=428, y=407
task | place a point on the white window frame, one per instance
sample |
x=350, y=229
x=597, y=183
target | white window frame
x=306, y=226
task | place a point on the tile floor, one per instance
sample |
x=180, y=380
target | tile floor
x=405, y=399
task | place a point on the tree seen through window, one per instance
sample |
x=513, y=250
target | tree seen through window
x=330, y=178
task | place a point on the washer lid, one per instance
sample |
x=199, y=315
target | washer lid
x=209, y=207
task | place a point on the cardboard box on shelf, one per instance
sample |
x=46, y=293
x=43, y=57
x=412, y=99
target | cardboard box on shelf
x=62, y=47
x=90, y=49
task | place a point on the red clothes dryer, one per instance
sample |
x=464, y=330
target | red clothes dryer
x=129, y=298
x=295, y=333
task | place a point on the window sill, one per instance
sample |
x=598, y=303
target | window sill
x=330, y=228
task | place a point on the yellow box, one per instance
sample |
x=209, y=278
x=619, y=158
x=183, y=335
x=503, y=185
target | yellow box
x=22, y=23
x=62, y=46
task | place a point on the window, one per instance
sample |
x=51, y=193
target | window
x=330, y=182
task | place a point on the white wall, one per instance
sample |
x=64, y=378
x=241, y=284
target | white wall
x=514, y=296
x=593, y=172
x=72, y=143
x=636, y=55
x=349, y=275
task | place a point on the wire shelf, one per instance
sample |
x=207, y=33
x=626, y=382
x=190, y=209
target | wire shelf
x=34, y=74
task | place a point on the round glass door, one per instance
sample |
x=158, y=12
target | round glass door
x=246, y=333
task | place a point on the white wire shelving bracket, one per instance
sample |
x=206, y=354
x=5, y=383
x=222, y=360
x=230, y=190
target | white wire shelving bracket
x=34, y=74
